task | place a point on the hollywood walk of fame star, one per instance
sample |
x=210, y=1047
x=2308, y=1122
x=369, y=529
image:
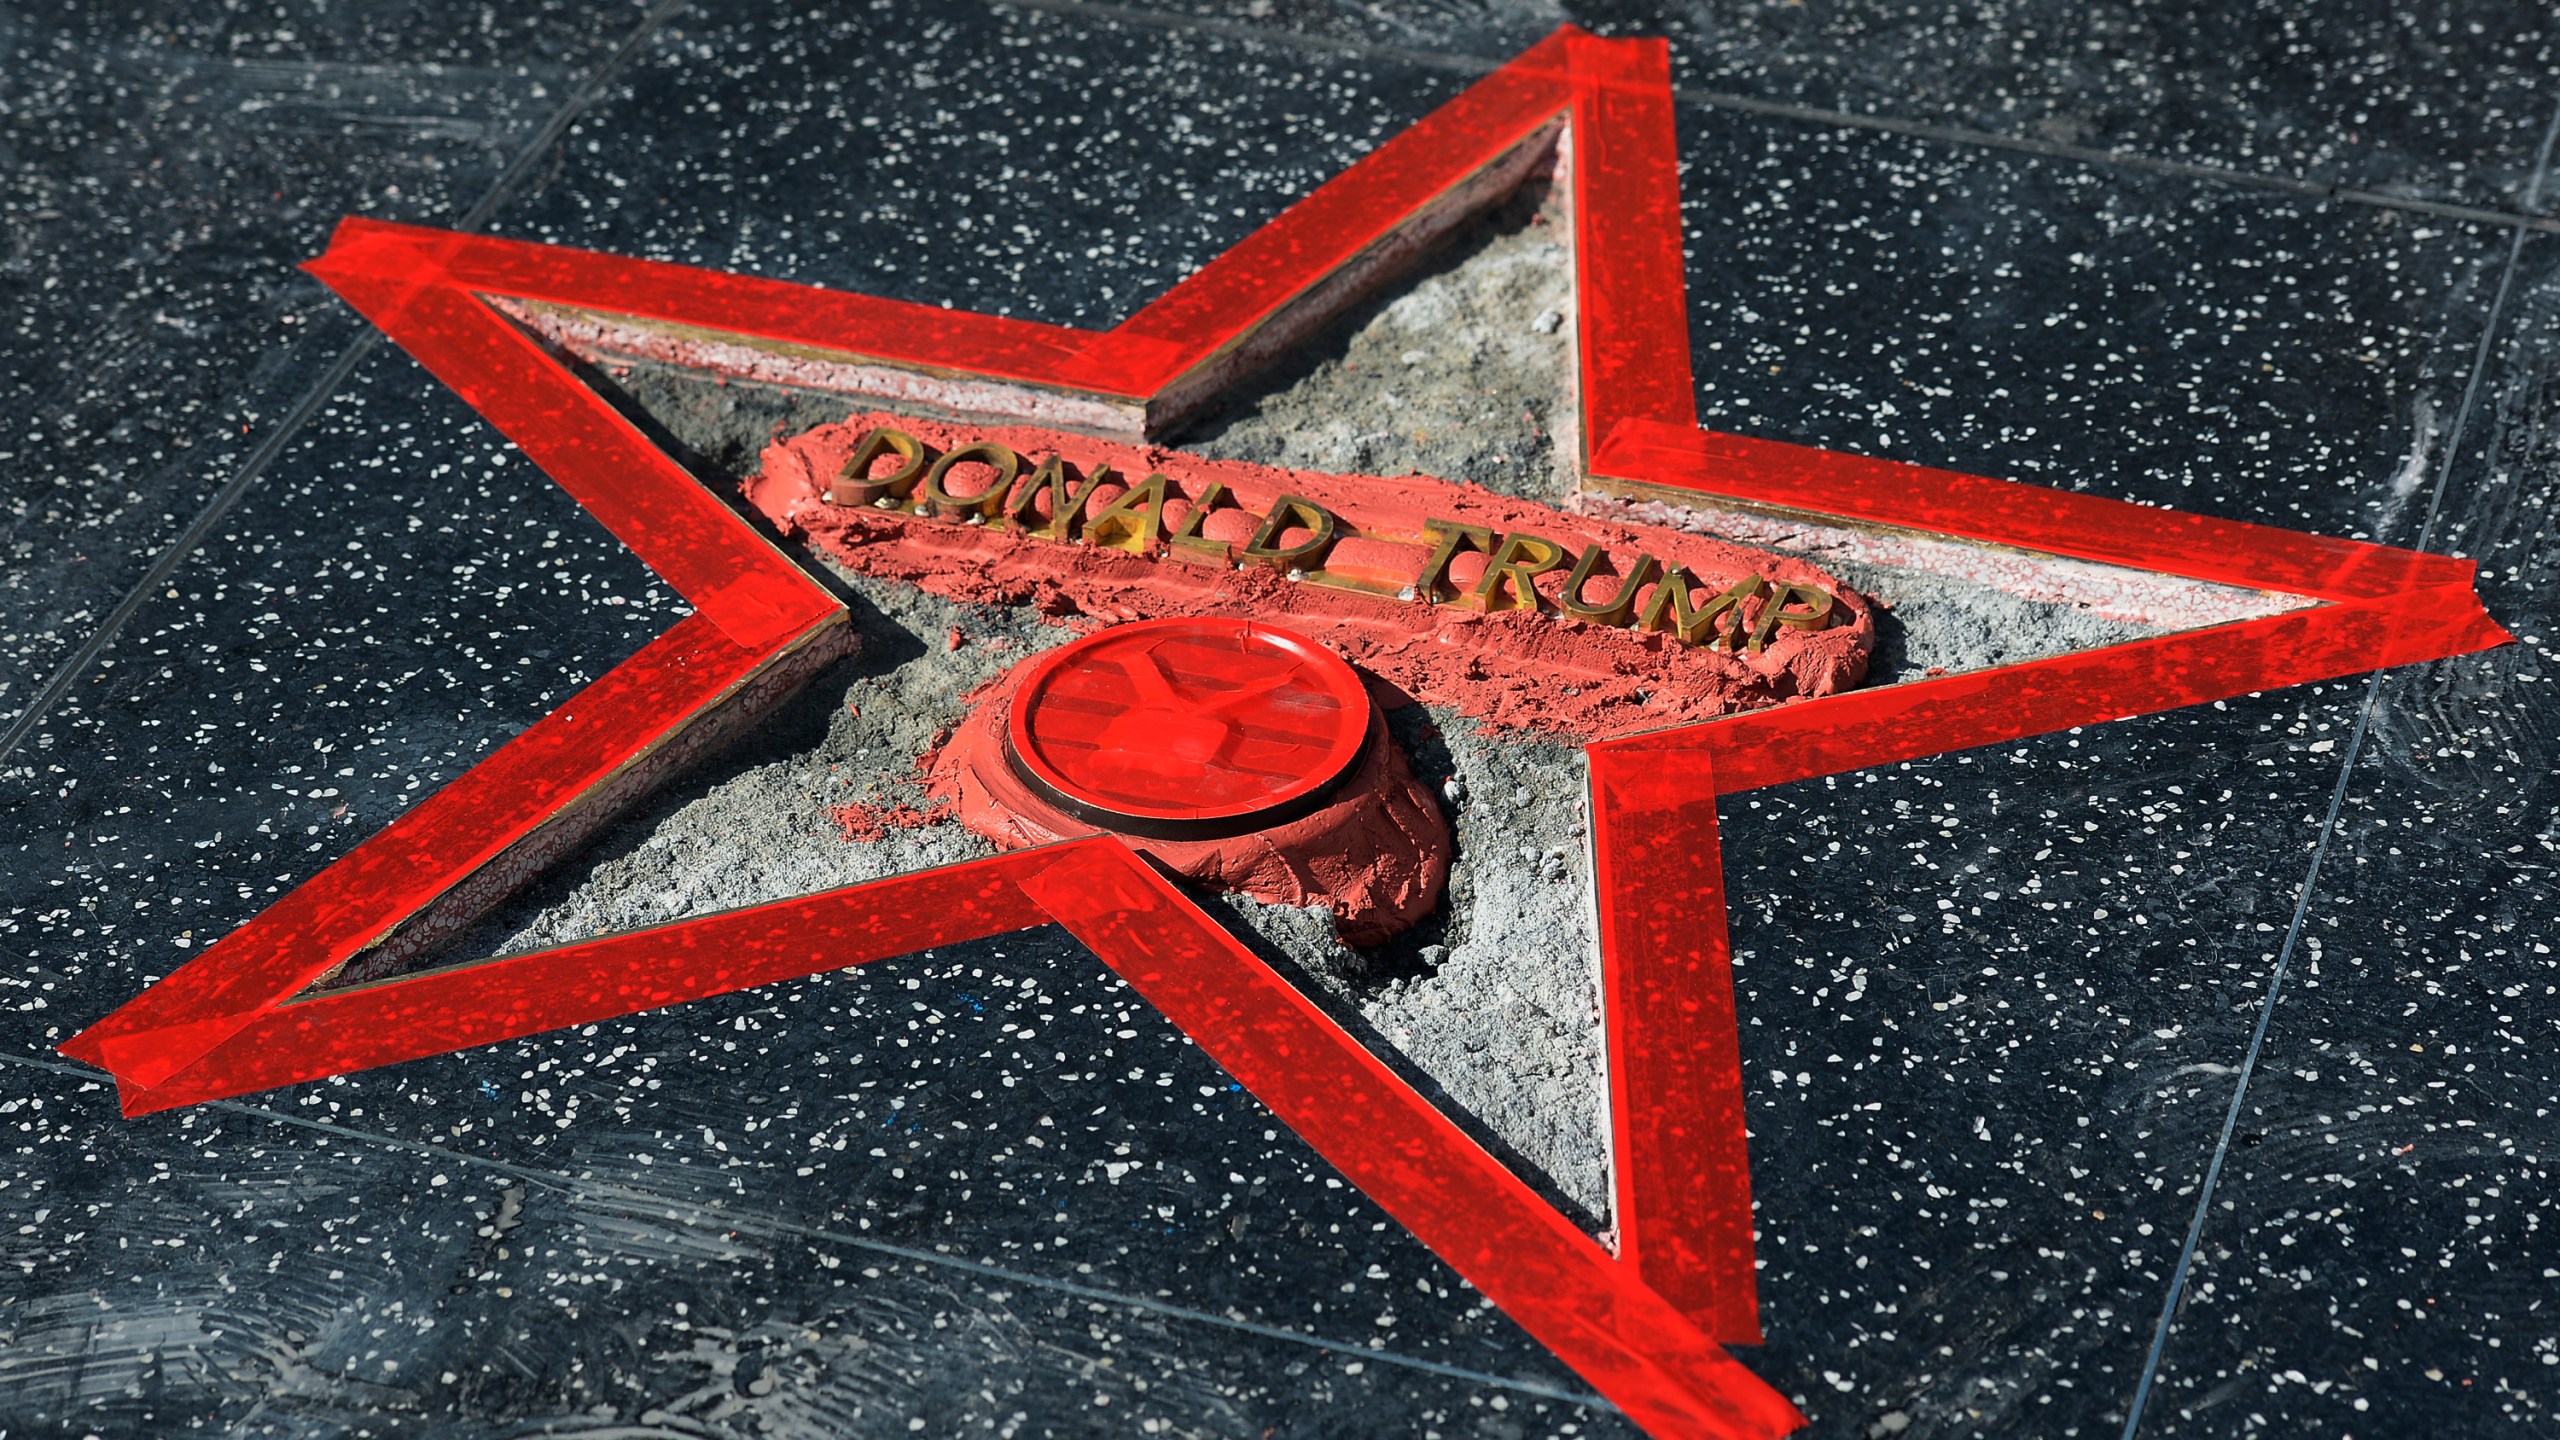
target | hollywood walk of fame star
x=1646, y=1324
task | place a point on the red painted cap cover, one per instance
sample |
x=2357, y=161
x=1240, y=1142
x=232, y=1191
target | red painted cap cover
x=1188, y=728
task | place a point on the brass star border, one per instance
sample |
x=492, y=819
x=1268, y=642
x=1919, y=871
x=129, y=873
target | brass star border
x=1646, y=1325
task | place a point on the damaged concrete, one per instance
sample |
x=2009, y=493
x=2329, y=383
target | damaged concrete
x=1465, y=372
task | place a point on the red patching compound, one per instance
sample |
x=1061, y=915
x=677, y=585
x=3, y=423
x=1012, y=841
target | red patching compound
x=1233, y=752
x=1514, y=668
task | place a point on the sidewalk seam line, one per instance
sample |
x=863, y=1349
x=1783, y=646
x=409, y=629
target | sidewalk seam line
x=574, y=1186
x=1958, y=135
x=2365, y=709
x=229, y=494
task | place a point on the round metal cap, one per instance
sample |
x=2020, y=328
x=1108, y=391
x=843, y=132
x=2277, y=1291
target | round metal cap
x=1188, y=728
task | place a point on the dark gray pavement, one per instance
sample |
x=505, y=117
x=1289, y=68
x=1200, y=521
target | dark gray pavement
x=2204, y=1058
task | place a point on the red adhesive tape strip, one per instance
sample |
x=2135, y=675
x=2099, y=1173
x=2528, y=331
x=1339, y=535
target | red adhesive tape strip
x=323, y=922
x=456, y=1007
x=1683, y=1172
x=1406, y=1156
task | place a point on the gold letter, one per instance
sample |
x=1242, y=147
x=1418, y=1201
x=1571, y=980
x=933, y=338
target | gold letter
x=1773, y=613
x=1307, y=554
x=1450, y=535
x=1622, y=605
x=1130, y=523
x=1186, y=542
x=940, y=503
x=1521, y=557
x=1668, y=608
x=1051, y=478
x=854, y=485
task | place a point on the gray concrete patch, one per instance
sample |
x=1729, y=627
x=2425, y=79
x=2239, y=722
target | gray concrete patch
x=1465, y=371
x=758, y=823
x=1496, y=1000
x=1930, y=624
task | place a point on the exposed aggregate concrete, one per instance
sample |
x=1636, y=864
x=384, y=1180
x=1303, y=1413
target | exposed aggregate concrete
x=1464, y=372
x=756, y=825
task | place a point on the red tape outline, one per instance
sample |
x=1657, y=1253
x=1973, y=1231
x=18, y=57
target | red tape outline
x=228, y=1022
